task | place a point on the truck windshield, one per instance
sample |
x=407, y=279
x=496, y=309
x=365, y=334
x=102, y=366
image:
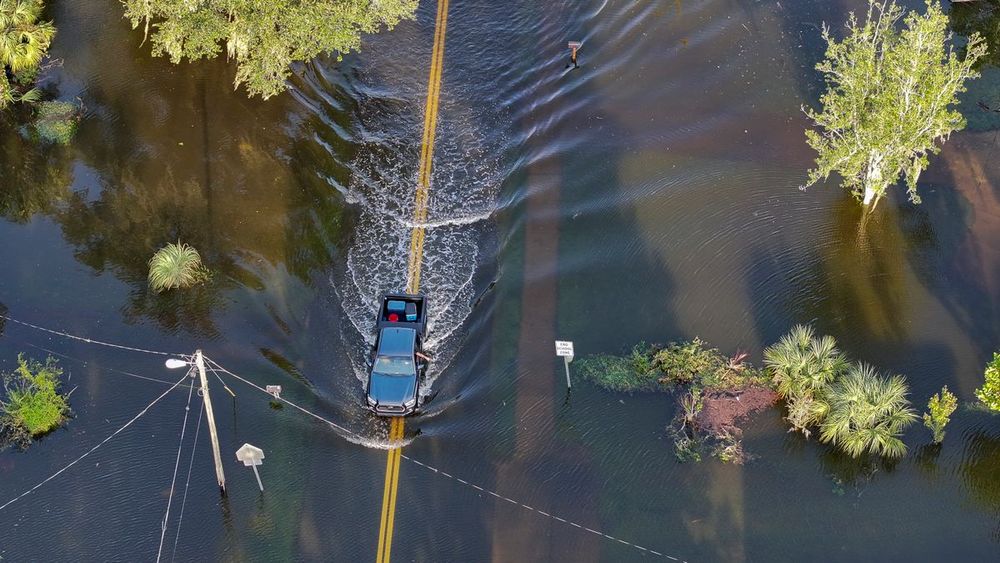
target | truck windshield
x=394, y=365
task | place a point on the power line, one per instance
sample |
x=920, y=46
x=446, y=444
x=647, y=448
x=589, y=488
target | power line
x=187, y=484
x=103, y=368
x=459, y=479
x=286, y=401
x=173, y=480
x=92, y=450
x=84, y=339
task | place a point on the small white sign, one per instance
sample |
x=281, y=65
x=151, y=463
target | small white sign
x=250, y=455
x=274, y=390
x=564, y=349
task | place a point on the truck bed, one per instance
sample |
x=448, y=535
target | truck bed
x=403, y=310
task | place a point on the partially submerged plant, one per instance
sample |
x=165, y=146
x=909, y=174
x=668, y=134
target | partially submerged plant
x=890, y=98
x=940, y=406
x=56, y=121
x=34, y=405
x=801, y=366
x=867, y=413
x=989, y=393
x=176, y=266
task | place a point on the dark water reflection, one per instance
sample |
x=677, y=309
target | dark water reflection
x=652, y=193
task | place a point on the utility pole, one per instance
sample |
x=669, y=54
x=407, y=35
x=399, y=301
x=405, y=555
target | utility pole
x=220, y=475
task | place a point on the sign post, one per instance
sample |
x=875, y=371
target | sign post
x=564, y=350
x=251, y=456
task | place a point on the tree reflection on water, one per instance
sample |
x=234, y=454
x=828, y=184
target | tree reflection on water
x=35, y=178
x=979, y=470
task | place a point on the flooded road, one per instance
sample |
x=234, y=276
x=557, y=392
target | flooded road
x=650, y=195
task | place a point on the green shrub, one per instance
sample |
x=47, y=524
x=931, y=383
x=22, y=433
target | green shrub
x=989, y=393
x=687, y=362
x=56, y=121
x=940, y=406
x=34, y=403
x=176, y=266
x=642, y=359
x=867, y=413
x=686, y=448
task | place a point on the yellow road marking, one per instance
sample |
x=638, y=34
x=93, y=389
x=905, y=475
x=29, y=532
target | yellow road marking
x=414, y=263
x=389, y=496
x=427, y=149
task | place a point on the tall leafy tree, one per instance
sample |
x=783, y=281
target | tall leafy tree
x=264, y=36
x=24, y=41
x=889, y=99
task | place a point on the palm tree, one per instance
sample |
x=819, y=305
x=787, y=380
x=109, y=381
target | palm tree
x=867, y=413
x=801, y=364
x=176, y=266
x=24, y=41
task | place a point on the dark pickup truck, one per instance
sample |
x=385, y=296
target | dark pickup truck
x=398, y=365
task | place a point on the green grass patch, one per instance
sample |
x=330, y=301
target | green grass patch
x=34, y=405
x=56, y=121
x=621, y=373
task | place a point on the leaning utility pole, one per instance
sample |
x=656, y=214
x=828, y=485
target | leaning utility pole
x=220, y=476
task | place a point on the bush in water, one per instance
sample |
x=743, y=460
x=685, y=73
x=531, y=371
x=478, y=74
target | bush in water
x=989, y=393
x=34, y=405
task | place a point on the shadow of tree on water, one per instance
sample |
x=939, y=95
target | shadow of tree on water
x=980, y=470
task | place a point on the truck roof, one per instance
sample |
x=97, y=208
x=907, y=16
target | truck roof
x=396, y=341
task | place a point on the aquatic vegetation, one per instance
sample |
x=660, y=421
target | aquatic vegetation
x=686, y=362
x=614, y=373
x=729, y=449
x=890, y=98
x=56, y=121
x=264, y=41
x=801, y=366
x=940, y=408
x=989, y=393
x=867, y=413
x=34, y=405
x=176, y=266
x=706, y=376
x=24, y=42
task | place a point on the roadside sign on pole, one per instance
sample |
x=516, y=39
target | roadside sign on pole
x=564, y=349
x=251, y=456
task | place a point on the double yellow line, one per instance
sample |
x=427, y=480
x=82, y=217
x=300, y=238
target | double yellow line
x=414, y=264
x=389, y=495
x=427, y=149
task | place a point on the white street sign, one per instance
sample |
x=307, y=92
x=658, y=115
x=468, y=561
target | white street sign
x=251, y=456
x=564, y=349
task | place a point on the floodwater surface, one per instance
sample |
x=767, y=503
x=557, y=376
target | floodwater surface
x=650, y=195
